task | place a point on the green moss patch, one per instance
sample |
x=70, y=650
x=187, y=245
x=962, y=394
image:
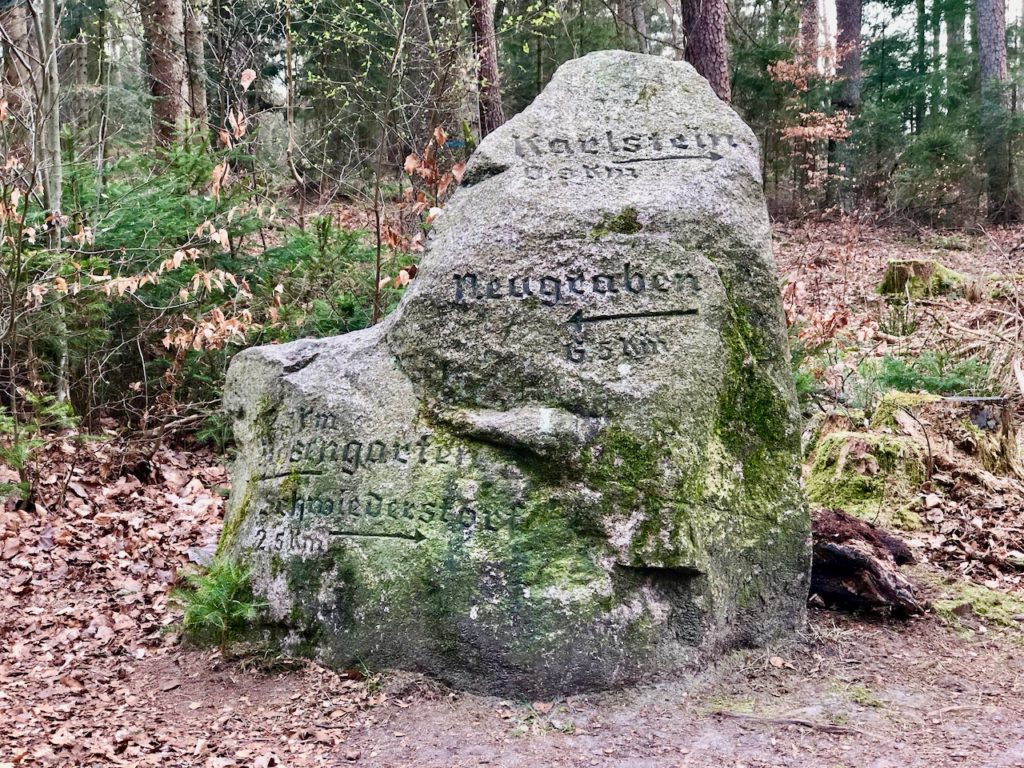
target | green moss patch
x=920, y=278
x=965, y=601
x=235, y=519
x=893, y=402
x=872, y=476
x=625, y=222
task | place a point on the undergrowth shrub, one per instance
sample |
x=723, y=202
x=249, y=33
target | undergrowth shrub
x=218, y=603
x=933, y=372
x=168, y=267
x=21, y=439
x=937, y=179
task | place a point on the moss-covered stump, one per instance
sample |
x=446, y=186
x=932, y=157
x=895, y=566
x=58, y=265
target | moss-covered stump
x=956, y=431
x=571, y=457
x=877, y=472
x=871, y=475
x=920, y=278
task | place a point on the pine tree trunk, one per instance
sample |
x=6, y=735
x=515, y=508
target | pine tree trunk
x=920, y=61
x=638, y=14
x=1004, y=203
x=50, y=162
x=163, y=23
x=488, y=78
x=195, y=61
x=849, y=16
x=81, y=99
x=703, y=25
x=631, y=21
x=935, y=83
x=957, y=61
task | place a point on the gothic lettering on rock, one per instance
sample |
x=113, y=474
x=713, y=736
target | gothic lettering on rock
x=369, y=514
x=318, y=453
x=652, y=144
x=613, y=156
x=555, y=289
x=618, y=347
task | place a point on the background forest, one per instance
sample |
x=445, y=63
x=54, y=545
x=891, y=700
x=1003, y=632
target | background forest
x=182, y=178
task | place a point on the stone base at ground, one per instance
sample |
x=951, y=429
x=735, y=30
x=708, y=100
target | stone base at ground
x=571, y=456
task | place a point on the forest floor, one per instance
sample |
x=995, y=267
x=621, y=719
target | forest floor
x=91, y=671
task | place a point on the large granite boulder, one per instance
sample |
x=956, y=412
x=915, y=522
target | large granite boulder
x=571, y=456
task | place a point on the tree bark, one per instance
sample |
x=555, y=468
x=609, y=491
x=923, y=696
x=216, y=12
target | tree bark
x=935, y=84
x=846, y=98
x=1004, y=203
x=849, y=16
x=632, y=21
x=703, y=25
x=957, y=63
x=920, y=61
x=809, y=32
x=163, y=24
x=488, y=78
x=20, y=59
x=195, y=62
x=50, y=162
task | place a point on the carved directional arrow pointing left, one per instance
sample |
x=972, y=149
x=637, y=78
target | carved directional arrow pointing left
x=578, y=319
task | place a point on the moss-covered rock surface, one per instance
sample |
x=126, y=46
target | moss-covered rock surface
x=571, y=457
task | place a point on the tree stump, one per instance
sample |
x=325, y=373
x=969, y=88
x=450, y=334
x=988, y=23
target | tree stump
x=920, y=278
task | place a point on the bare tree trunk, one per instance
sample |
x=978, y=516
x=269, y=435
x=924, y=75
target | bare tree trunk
x=20, y=59
x=631, y=18
x=195, y=61
x=79, y=79
x=849, y=17
x=935, y=86
x=703, y=24
x=488, y=78
x=920, y=62
x=289, y=82
x=957, y=62
x=100, y=75
x=1004, y=203
x=638, y=13
x=163, y=22
x=809, y=32
x=44, y=20
x=672, y=14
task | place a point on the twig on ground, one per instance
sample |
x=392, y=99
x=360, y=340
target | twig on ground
x=810, y=725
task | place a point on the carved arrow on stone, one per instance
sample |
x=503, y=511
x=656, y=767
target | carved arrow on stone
x=578, y=318
x=416, y=536
x=710, y=156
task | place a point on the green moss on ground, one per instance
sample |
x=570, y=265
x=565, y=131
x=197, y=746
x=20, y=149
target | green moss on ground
x=966, y=599
x=858, y=693
x=872, y=476
x=920, y=278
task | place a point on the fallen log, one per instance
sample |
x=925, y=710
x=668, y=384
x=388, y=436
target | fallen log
x=856, y=566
